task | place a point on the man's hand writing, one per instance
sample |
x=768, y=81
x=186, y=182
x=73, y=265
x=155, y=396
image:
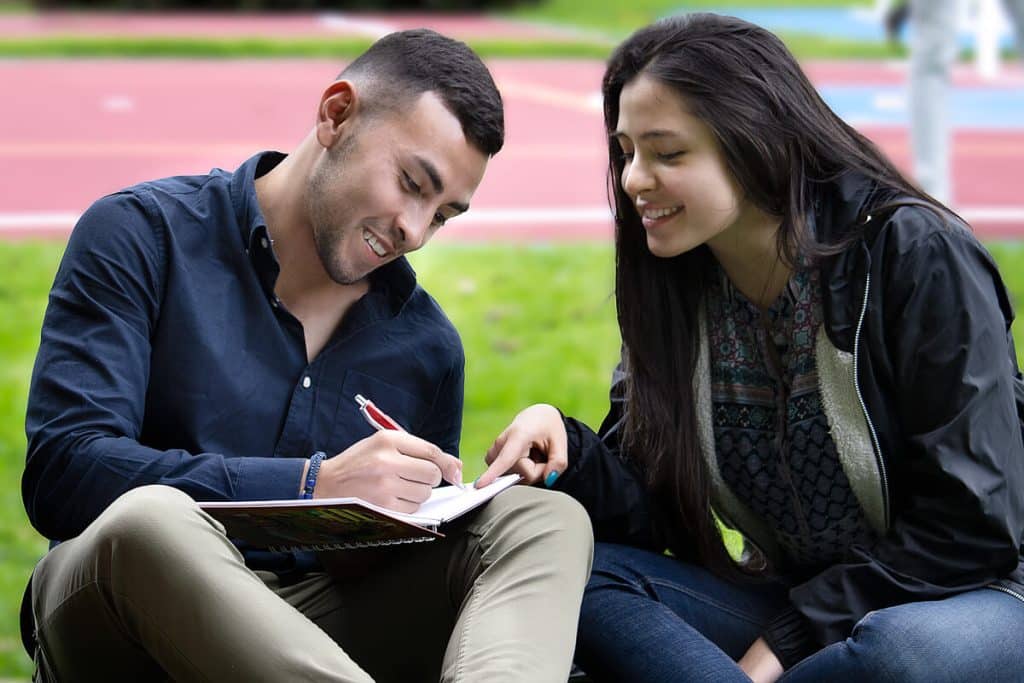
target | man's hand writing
x=392, y=469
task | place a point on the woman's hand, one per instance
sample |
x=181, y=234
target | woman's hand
x=760, y=663
x=533, y=446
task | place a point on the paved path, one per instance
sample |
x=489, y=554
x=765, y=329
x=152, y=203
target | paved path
x=71, y=131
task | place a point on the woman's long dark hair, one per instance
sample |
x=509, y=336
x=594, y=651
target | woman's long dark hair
x=779, y=140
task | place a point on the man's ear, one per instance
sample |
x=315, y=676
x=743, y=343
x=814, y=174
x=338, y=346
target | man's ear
x=336, y=114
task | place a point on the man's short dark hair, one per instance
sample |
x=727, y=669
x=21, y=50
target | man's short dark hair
x=401, y=66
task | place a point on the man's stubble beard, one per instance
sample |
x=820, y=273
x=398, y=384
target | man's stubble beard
x=328, y=233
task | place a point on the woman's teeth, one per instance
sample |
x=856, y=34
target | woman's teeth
x=654, y=214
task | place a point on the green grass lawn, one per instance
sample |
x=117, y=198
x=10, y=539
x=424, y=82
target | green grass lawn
x=803, y=47
x=605, y=23
x=28, y=272
x=538, y=325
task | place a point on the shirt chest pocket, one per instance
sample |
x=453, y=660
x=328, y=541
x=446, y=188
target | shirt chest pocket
x=350, y=425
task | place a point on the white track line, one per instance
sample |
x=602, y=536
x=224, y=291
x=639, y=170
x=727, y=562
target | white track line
x=29, y=222
x=341, y=23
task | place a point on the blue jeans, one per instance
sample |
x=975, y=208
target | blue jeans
x=648, y=617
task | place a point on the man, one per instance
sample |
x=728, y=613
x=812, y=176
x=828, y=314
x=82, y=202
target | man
x=206, y=337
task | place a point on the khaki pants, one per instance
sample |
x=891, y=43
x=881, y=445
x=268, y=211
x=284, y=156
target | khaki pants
x=154, y=590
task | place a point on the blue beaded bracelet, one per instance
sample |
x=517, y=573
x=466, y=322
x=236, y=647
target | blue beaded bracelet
x=314, y=470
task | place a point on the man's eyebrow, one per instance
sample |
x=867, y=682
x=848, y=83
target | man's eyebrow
x=431, y=171
x=437, y=183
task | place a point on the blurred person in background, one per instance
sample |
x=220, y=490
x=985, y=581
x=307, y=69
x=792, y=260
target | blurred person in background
x=204, y=340
x=1015, y=12
x=894, y=18
x=814, y=352
x=934, y=47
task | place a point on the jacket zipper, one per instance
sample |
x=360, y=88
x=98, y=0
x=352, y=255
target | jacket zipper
x=863, y=406
x=871, y=426
x=1004, y=589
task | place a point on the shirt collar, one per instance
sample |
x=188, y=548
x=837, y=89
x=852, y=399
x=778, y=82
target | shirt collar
x=396, y=279
x=243, y=194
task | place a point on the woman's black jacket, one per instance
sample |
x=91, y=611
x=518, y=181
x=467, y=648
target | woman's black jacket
x=922, y=309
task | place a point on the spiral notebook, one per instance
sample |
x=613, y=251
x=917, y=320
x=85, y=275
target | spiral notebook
x=345, y=523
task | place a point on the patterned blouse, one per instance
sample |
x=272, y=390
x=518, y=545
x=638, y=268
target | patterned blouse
x=772, y=437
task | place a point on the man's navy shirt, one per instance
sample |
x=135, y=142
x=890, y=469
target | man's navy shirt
x=167, y=359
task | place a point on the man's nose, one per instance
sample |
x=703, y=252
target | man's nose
x=413, y=228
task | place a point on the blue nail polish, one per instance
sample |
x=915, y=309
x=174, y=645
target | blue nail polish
x=552, y=477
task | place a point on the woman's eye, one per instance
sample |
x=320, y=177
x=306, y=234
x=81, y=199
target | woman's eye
x=669, y=156
x=439, y=219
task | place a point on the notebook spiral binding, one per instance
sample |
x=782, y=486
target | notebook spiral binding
x=350, y=546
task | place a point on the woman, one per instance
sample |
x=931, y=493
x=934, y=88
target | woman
x=815, y=353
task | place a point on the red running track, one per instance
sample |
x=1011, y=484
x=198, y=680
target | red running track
x=71, y=131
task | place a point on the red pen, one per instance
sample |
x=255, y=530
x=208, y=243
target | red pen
x=377, y=418
x=380, y=421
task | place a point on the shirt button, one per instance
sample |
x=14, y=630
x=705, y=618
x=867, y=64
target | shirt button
x=264, y=243
x=306, y=382
x=275, y=303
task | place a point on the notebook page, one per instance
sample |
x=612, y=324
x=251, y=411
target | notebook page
x=449, y=502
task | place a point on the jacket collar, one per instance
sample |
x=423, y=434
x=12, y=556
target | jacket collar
x=841, y=204
x=839, y=207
